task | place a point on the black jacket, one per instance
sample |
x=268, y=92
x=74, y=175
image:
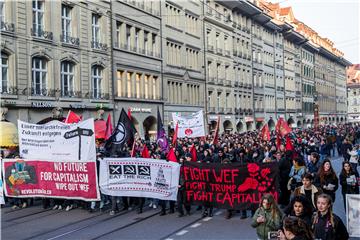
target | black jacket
x=325, y=231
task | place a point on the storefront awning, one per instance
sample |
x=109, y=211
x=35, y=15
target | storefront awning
x=8, y=135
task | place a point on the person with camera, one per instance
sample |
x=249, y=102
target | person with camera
x=267, y=217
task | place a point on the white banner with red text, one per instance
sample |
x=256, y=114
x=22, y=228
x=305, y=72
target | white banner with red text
x=139, y=177
x=190, y=126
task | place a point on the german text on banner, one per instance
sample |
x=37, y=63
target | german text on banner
x=139, y=177
x=33, y=178
x=229, y=186
x=190, y=126
x=57, y=141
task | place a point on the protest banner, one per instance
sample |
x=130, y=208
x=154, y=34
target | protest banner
x=34, y=178
x=2, y=200
x=189, y=126
x=139, y=177
x=57, y=141
x=353, y=214
x=229, y=186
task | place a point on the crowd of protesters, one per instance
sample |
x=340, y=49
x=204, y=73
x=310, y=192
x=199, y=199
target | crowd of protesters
x=308, y=182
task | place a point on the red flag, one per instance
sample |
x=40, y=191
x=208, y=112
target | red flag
x=132, y=154
x=145, y=152
x=216, y=136
x=265, y=133
x=129, y=114
x=109, y=127
x=282, y=127
x=72, y=117
x=175, y=135
x=289, y=145
x=193, y=153
x=171, y=156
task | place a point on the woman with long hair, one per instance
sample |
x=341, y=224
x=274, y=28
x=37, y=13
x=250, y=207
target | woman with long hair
x=326, y=224
x=348, y=181
x=267, y=217
x=295, y=228
x=326, y=179
x=296, y=172
x=300, y=207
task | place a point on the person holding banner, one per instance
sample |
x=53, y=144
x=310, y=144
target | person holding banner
x=267, y=217
x=181, y=197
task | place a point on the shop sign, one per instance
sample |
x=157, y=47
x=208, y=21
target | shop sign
x=42, y=105
x=143, y=110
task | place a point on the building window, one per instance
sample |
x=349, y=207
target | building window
x=128, y=36
x=95, y=27
x=38, y=17
x=66, y=23
x=137, y=40
x=39, y=75
x=120, y=75
x=4, y=73
x=67, y=79
x=2, y=11
x=128, y=83
x=146, y=83
x=146, y=42
x=137, y=83
x=218, y=101
x=154, y=87
x=96, y=75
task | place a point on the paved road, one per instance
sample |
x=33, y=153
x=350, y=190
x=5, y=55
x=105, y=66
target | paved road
x=37, y=223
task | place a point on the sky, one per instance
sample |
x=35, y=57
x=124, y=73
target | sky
x=337, y=20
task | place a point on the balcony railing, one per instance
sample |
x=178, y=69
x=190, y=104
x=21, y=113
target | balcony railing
x=220, y=81
x=71, y=94
x=220, y=110
x=124, y=46
x=42, y=34
x=228, y=110
x=45, y=92
x=235, y=52
x=100, y=95
x=210, y=48
x=98, y=45
x=219, y=50
x=227, y=53
x=211, y=80
x=211, y=109
x=69, y=40
x=228, y=83
x=9, y=90
x=7, y=27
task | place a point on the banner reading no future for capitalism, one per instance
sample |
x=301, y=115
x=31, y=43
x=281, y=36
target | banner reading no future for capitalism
x=230, y=186
x=139, y=177
x=57, y=141
x=31, y=178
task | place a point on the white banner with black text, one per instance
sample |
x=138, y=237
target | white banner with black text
x=139, y=177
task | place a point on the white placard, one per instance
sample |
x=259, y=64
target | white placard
x=353, y=214
x=190, y=126
x=139, y=177
x=57, y=141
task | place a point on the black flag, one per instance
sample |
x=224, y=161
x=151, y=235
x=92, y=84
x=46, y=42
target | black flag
x=122, y=134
